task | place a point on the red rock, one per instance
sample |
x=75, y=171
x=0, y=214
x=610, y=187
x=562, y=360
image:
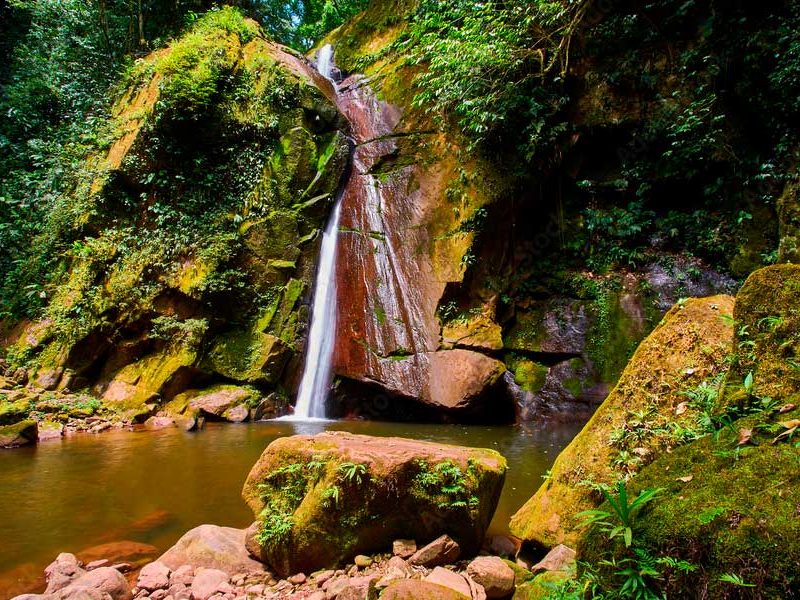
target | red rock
x=207, y=582
x=404, y=548
x=413, y=589
x=393, y=266
x=560, y=558
x=491, y=572
x=441, y=551
x=62, y=571
x=154, y=576
x=450, y=579
x=104, y=580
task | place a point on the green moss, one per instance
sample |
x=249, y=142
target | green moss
x=542, y=587
x=689, y=346
x=218, y=164
x=529, y=375
x=12, y=412
x=789, y=223
x=322, y=500
x=248, y=355
x=767, y=343
x=18, y=434
x=737, y=515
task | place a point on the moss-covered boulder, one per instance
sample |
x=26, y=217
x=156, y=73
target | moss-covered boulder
x=19, y=434
x=727, y=507
x=14, y=407
x=767, y=344
x=321, y=500
x=789, y=223
x=186, y=245
x=645, y=415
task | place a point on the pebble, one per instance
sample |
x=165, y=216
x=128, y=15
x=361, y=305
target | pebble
x=298, y=579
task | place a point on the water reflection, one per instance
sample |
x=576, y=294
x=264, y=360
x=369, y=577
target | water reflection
x=151, y=487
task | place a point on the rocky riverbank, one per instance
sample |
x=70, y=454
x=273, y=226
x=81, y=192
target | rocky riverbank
x=211, y=563
x=30, y=413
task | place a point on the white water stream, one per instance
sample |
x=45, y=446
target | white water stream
x=317, y=377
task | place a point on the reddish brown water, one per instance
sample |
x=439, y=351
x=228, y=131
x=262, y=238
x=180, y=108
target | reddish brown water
x=151, y=487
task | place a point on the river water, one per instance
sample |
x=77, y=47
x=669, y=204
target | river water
x=151, y=487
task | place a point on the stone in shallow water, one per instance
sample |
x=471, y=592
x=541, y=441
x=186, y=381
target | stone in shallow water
x=19, y=434
x=386, y=487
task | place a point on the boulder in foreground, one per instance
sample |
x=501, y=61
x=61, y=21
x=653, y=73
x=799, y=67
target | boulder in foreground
x=320, y=500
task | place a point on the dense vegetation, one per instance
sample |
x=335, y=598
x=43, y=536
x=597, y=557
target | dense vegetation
x=629, y=135
x=66, y=58
x=705, y=96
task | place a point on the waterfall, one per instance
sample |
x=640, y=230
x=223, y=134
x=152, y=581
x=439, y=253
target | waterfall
x=325, y=61
x=316, y=379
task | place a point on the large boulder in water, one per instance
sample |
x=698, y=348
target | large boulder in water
x=320, y=500
x=631, y=428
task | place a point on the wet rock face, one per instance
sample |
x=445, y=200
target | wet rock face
x=566, y=354
x=399, y=246
x=322, y=500
x=219, y=166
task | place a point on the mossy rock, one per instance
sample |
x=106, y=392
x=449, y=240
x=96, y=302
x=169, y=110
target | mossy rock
x=13, y=411
x=248, y=356
x=767, y=343
x=220, y=160
x=154, y=378
x=689, y=346
x=737, y=515
x=223, y=401
x=543, y=586
x=322, y=500
x=789, y=223
x=19, y=434
x=478, y=332
x=529, y=375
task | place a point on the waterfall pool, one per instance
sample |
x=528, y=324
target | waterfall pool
x=152, y=486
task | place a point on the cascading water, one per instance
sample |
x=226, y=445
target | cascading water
x=316, y=379
x=325, y=62
x=376, y=307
